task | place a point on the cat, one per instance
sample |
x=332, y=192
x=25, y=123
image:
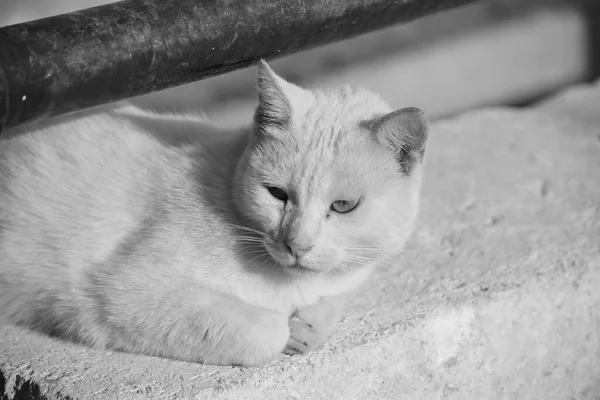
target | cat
x=163, y=235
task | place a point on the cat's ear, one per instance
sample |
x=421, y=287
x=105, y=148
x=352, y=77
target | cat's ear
x=404, y=132
x=277, y=99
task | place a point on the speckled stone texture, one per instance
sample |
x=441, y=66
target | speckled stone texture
x=497, y=295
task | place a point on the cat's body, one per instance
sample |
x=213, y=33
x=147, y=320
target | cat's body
x=164, y=235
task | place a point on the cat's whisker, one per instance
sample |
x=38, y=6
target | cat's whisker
x=378, y=265
x=267, y=259
x=250, y=240
x=400, y=255
x=385, y=264
x=250, y=237
x=371, y=247
x=251, y=244
x=257, y=256
x=342, y=268
x=253, y=251
x=384, y=268
x=245, y=228
x=250, y=253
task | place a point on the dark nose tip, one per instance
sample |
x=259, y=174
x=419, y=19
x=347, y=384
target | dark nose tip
x=294, y=249
x=288, y=247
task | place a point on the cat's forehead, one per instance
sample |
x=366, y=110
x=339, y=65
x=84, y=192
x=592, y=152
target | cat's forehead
x=342, y=107
x=337, y=119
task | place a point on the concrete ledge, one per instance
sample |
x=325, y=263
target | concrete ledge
x=496, y=296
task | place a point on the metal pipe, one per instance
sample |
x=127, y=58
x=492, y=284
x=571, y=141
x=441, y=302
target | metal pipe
x=82, y=59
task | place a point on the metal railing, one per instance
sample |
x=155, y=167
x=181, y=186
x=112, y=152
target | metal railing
x=73, y=61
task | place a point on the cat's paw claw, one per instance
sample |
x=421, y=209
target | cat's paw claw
x=294, y=347
x=305, y=337
x=311, y=326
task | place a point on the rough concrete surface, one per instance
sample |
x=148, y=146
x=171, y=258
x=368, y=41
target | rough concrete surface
x=496, y=296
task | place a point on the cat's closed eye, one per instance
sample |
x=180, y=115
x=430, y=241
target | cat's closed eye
x=278, y=193
x=344, y=206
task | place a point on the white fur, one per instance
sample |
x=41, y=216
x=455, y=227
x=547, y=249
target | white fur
x=136, y=231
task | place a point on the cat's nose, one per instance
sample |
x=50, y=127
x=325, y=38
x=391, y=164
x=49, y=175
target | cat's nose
x=296, y=249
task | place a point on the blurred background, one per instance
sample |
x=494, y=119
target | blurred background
x=488, y=53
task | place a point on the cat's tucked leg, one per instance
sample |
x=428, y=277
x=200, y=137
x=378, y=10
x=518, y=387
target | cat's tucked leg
x=311, y=326
x=189, y=322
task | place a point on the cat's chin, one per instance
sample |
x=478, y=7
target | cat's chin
x=298, y=270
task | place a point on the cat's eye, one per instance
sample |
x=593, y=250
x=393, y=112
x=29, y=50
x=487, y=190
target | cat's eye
x=278, y=193
x=344, y=206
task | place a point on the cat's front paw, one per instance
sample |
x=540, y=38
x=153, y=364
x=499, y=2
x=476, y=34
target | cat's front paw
x=311, y=326
x=303, y=337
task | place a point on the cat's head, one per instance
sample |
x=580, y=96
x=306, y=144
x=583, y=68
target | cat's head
x=331, y=177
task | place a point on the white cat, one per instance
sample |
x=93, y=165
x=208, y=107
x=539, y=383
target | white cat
x=164, y=235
